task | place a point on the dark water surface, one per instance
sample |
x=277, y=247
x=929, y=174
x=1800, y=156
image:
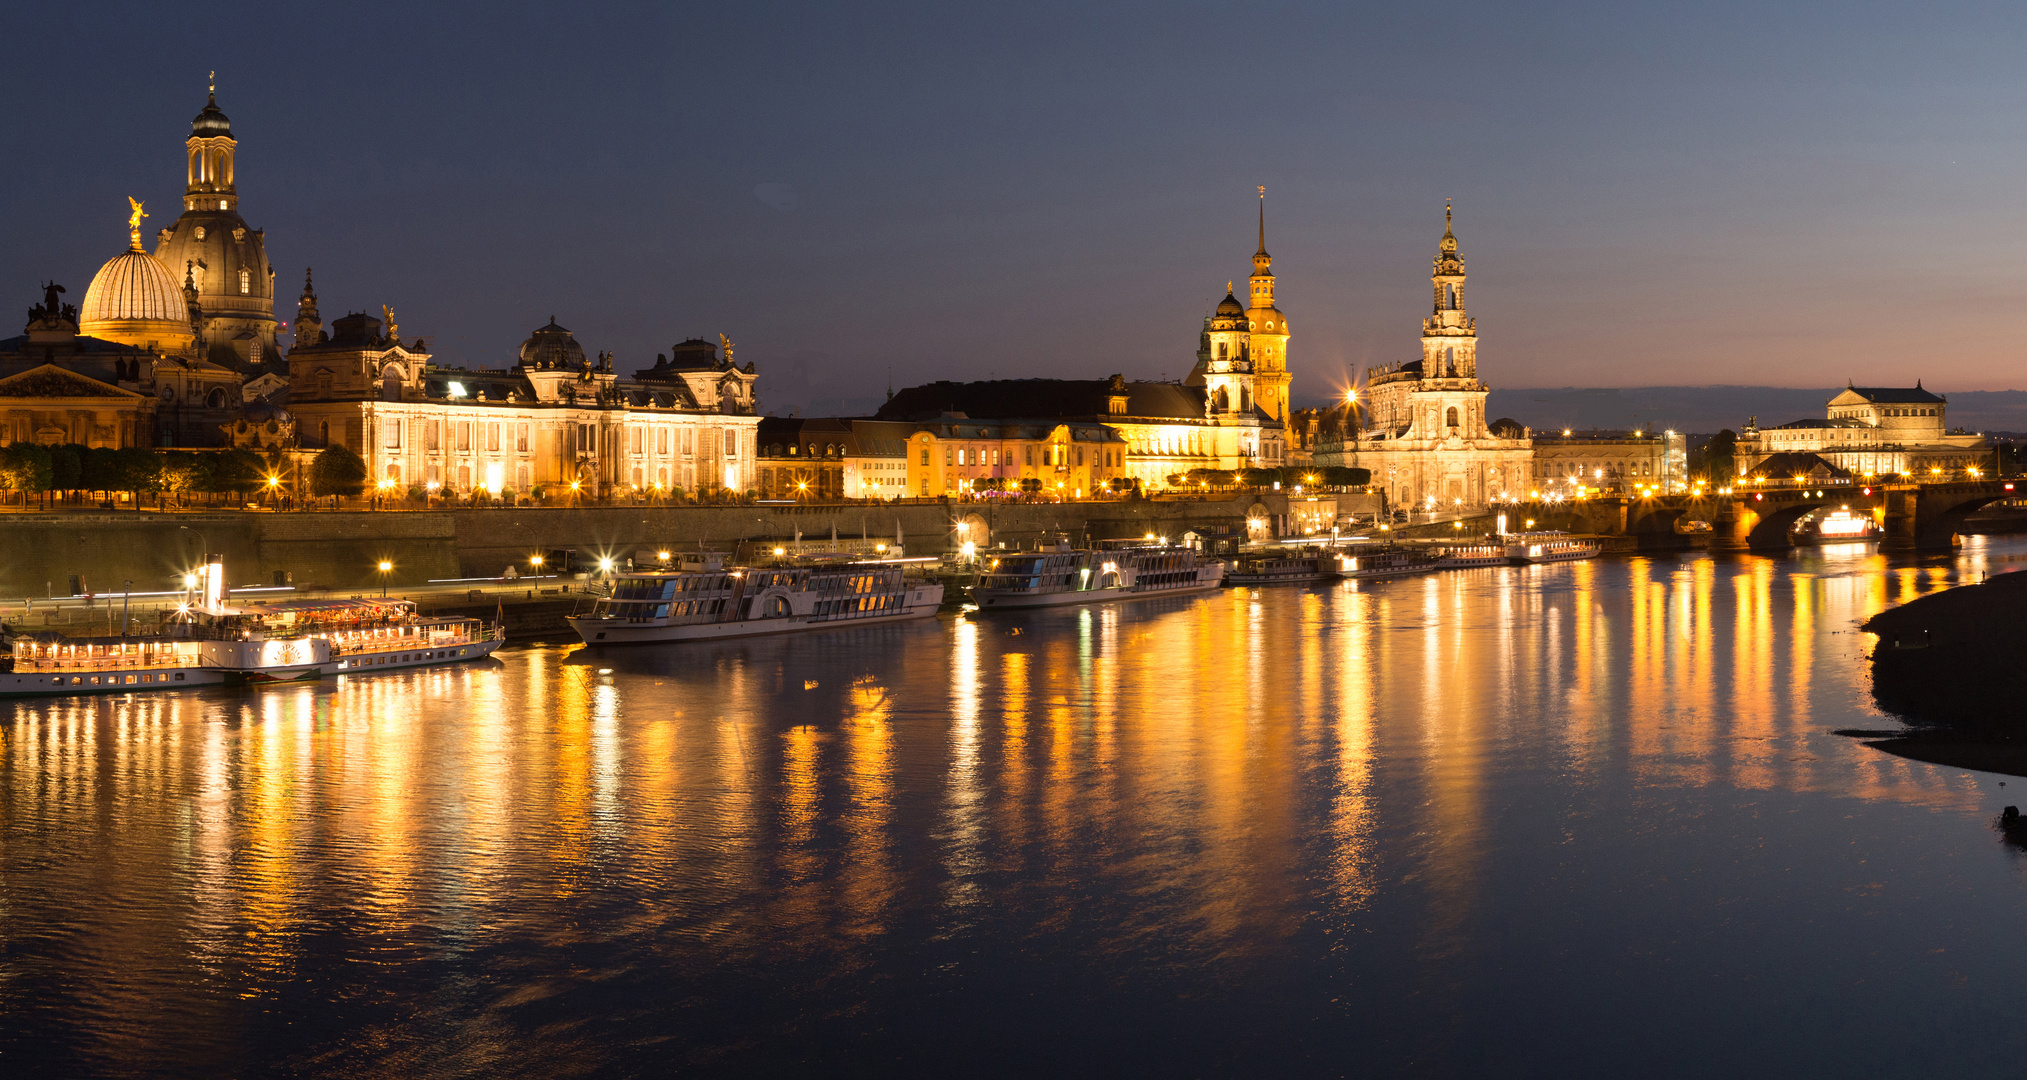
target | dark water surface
x=1587, y=819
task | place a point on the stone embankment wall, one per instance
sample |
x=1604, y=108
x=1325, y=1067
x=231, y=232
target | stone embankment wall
x=39, y=553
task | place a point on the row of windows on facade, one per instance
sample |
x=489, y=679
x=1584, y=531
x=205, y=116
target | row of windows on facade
x=1888, y=412
x=1052, y=455
x=493, y=477
x=468, y=435
x=1612, y=468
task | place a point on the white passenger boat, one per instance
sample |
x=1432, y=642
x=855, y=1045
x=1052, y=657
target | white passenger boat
x=1075, y=576
x=1286, y=566
x=1546, y=547
x=214, y=643
x=1385, y=562
x=705, y=600
x=1468, y=556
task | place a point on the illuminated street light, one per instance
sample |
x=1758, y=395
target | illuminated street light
x=386, y=568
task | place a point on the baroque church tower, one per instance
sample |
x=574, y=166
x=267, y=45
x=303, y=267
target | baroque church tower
x=1269, y=331
x=211, y=246
x=1449, y=335
x=1422, y=430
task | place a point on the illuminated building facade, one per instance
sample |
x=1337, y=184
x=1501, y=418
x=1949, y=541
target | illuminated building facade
x=555, y=419
x=1576, y=463
x=1421, y=427
x=1870, y=431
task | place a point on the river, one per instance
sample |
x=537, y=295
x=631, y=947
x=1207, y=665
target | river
x=1587, y=819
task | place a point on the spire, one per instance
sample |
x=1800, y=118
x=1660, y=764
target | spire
x=1263, y=220
x=309, y=328
x=1449, y=244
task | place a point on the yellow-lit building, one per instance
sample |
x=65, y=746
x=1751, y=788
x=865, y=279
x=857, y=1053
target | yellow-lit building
x=1871, y=431
x=953, y=455
x=554, y=419
x=1421, y=426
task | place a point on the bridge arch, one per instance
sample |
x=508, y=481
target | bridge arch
x=1938, y=515
x=1776, y=524
x=1656, y=520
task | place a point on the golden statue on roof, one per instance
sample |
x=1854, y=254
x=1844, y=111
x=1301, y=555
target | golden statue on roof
x=134, y=217
x=727, y=343
x=387, y=316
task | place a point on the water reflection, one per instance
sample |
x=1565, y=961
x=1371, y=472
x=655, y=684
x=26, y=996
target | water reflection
x=1220, y=796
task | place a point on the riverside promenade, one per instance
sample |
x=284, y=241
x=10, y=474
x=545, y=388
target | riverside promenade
x=342, y=550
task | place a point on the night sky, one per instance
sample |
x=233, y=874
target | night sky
x=1682, y=194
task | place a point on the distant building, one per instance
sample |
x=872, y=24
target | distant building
x=876, y=464
x=1421, y=427
x=954, y=454
x=1608, y=462
x=803, y=458
x=1869, y=431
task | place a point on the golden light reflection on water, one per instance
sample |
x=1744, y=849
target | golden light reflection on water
x=1213, y=773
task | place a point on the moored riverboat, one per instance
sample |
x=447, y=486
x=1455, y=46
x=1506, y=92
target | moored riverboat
x=1076, y=576
x=1379, y=561
x=213, y=643
x=1469, y=556
x=707, y=600
x=1283, y=567
x=1546, y=547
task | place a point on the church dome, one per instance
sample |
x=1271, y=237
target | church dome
x=135, y=300
x=211, y=122
x=552, y=348
x=1230, y=306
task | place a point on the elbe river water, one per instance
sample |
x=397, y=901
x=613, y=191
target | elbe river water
x=1577, y=820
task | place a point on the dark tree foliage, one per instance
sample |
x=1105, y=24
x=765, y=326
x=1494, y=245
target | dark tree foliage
x=337, y=471
x=242, y=470
x=66, y=467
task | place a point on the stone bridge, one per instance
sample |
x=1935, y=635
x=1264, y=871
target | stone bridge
x=1911, y=516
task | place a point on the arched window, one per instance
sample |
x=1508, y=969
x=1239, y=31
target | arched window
x=1452, y=416
x=1223, y=350
x=216, y=399
x=245, y=282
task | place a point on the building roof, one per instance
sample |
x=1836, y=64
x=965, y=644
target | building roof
x=133, y=285
x=1045, y=398
x=1818, y=422
x=211, y=122
x=1794, y=464
x=1895, y=395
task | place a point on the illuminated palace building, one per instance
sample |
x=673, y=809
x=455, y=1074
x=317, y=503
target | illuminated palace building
x=178, y=347
x=556, y=420
x=1422, y=428
x=1866, y=431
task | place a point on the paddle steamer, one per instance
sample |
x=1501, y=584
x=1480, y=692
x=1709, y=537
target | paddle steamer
x=212, y=643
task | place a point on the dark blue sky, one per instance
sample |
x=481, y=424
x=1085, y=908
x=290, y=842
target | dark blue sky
x=1646, y=194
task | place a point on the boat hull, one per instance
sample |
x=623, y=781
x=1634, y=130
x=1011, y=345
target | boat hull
x=996, y=601
x=369, y=663
x=1280, y=579
x=621, y=632
x=64, y=684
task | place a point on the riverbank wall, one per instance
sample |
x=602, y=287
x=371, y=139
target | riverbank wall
x=41, y=553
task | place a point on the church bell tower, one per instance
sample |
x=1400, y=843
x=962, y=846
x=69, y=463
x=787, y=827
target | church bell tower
x=1449, y=334
x=1268, y=330
x=209, y=184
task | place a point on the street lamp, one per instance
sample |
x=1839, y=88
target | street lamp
x=385, y=569
x=536, y=562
